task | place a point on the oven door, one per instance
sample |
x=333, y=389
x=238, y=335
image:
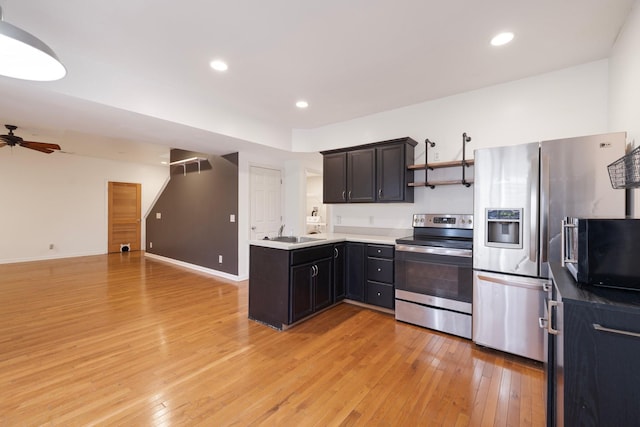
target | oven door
x=439, y=277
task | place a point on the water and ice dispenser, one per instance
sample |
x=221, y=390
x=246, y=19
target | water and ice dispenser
x=504, y=228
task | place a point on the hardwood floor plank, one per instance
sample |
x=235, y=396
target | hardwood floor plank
x=123, y=340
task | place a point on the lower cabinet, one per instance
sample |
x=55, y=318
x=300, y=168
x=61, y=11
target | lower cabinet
x=601, y=371
x=339, y=263
x=355, y=271
x=310, y=288
x=379, y=287
x=287, y=286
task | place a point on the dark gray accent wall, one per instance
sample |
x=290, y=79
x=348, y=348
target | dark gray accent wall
x=195, y=211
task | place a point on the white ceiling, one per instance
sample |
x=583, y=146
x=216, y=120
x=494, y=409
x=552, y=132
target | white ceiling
x=138, y=76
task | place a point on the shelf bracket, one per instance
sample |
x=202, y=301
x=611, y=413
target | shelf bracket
x=465, y=139
x=185, y=162
x=428, y=144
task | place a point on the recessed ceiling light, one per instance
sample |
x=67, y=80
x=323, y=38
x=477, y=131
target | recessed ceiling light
x=164, y=162
x=302, y=104
x=502, y=38
x=219, y=65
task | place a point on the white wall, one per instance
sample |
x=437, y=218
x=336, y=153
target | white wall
x=62, y=199
x=624, y=86
x=565, y=103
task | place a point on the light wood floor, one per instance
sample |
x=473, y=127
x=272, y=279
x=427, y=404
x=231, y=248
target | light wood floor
x=123, y=340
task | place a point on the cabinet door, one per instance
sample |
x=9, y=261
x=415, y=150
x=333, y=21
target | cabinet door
x=355, y=271
x=390, y=173
x=601, y=369
x=334, y=178
x=301, y=292
x=361, y=172
x=338, y=272
x=322, y=284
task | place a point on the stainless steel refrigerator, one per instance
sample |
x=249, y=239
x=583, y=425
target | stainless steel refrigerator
x=521, y=195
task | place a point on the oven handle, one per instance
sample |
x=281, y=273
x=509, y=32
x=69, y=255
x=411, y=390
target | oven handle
x=510, y=282
x=465, y=253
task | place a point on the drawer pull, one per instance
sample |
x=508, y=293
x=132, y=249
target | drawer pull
x=379, y=294
x=379, y=269
x=601, y=328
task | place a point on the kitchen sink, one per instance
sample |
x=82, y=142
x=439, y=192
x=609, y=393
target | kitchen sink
x=293, y=239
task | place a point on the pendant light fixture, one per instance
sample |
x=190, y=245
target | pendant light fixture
x=24, y=56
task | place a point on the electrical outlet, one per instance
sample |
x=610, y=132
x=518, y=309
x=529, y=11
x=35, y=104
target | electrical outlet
x=219, y=259
x=158, y=215
x=150, y=245
x=338, y=219
x=50, y=245
x=436, y=156
x=232, y=218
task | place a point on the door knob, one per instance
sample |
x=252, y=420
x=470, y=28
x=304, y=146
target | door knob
x=253, y=228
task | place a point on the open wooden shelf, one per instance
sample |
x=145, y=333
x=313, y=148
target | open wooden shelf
x=440, y=165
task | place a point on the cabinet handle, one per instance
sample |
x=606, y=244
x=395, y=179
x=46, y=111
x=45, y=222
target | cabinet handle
x=349, y=195
x=344, y=195
x=380, y=193
x=379, y=270
x=379, y=294
x=598, y=327
x=335, y=253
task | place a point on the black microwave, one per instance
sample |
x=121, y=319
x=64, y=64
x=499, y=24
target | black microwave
x=602, y=252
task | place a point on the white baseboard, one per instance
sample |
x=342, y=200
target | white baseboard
x=195, y=267
x=50, y=257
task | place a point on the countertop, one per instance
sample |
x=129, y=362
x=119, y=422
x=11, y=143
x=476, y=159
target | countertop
x=326, y=238
x=588, y=294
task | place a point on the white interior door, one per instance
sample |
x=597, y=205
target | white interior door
x=266, y=215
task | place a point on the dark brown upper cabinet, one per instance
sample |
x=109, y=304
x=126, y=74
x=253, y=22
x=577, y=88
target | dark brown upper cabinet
x=372, y=173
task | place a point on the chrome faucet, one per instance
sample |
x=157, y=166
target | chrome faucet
x=280, y=230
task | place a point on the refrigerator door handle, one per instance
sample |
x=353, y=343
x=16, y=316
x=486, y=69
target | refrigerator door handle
x=533, y=214
x=564, y=257
x=550, y=304
x=544, y=214
x=509, y=282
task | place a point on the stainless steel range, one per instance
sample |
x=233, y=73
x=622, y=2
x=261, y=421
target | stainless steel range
x=433, y=273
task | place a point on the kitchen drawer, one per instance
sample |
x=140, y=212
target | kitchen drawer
x=315, y=253
x=380, y=270
x=380, y=251
x=379, y=294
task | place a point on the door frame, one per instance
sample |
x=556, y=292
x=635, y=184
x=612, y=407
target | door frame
x=281, y=202
x=141, y=223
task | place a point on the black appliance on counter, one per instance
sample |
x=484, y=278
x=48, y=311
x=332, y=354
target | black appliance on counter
x=433, y=273
x=602, y=252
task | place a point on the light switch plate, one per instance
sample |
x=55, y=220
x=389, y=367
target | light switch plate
x=232, y=218
x=158, y=215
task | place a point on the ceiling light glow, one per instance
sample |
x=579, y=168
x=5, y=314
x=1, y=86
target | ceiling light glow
x=23, y=56
x=302, y=104
x=219, y=65
x=502, y=39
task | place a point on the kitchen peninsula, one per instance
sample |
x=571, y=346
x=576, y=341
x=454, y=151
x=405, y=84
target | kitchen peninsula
x=294, y=278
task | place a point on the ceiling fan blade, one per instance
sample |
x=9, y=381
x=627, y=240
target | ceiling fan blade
x=36, y=145
x=37, y=148
x=2, y=144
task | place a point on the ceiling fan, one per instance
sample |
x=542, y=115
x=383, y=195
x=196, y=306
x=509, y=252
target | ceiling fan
x=12, y=140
